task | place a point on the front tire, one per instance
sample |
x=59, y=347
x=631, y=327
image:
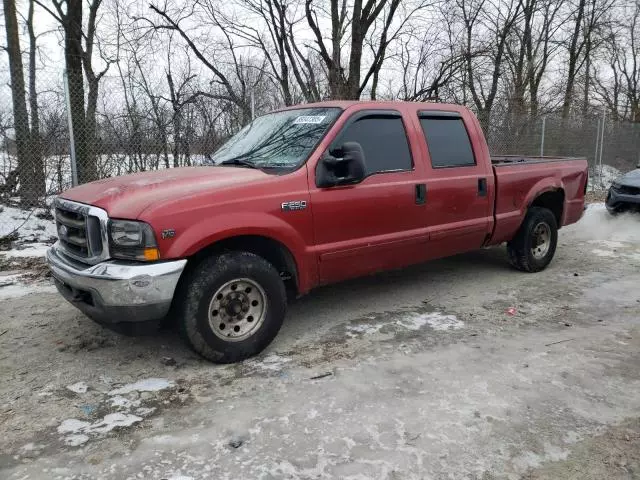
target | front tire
x=534, y=245
x=233, y=306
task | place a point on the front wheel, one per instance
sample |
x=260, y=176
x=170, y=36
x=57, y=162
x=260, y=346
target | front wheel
x=233, y=306
x=534, y=246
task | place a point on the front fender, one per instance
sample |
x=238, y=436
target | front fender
x=220, y=227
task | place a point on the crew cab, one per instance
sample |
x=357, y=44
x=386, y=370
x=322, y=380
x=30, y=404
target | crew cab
x=303, y=197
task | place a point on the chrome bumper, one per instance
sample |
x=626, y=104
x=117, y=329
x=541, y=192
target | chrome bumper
x=116, y=291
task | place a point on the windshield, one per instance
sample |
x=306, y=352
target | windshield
x=279, y=139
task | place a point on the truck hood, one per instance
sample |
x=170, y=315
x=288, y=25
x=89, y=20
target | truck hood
x=128, y=196
x=631, y=179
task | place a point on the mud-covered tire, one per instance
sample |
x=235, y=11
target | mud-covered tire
x=205, y=281
x=523, y=252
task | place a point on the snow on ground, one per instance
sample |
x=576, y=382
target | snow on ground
x=601, y=178
x=609, y=236
x=598, y=225
x=146, y=385
x=34, y=225
x=411, y=321
x=29, y=250
x=13, y=286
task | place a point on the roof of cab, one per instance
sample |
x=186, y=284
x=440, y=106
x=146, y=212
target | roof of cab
x=399, y=105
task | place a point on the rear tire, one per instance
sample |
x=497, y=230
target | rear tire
x=232, y=306
x=534, y=245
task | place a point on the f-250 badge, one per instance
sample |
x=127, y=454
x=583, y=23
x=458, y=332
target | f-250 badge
x=294, y=205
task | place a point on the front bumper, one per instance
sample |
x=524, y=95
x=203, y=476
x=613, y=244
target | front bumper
x=116, y=291
x=617, y=201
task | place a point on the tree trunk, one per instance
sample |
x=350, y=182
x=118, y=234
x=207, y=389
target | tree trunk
x=36, y=142
x=20, y=114
x=83, y=136
x=573, y=61
x=90, y=128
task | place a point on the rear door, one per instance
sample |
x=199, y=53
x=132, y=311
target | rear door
x=377, y=224
x=459, y=184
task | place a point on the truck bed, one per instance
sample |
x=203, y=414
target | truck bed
x=519, y=180
x=501, y=160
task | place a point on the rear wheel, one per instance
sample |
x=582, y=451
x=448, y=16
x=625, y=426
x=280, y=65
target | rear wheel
x=233, y=306
x=534, y=246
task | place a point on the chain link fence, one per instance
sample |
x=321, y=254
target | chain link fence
x=611, y=147
x=120, y=133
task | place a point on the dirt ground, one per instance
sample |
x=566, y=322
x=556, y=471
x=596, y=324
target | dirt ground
x=458, y=369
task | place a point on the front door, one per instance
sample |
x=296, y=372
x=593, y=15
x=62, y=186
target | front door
x=377, y=224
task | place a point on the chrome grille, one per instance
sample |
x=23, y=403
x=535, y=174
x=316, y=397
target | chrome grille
x=72, y=232
x=81, y=231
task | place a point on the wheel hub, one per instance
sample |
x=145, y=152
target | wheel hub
x=237, y=309
x=541, y=240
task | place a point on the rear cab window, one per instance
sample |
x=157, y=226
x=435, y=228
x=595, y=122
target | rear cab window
x=447, y=139
x=383, y=138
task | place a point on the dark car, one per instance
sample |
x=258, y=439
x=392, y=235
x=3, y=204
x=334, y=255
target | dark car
x=624, y=194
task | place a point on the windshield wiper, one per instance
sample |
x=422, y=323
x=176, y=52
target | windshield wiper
x=239, y=162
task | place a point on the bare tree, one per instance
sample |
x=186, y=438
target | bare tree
x=586, y=20
x=349, y=85
x=233, y=89
x=79, y=46
x=37, y=162
x=485, y=57
x=25, y=169
x=529, y=52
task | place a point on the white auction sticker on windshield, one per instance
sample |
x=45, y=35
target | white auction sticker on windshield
x=312, y=119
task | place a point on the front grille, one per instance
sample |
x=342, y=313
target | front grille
x=627, y=190
x=72, y=232
x=79, y=232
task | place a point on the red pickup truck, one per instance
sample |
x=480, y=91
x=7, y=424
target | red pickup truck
x=303, y=197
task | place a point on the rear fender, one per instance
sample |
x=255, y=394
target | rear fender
x=548, y=184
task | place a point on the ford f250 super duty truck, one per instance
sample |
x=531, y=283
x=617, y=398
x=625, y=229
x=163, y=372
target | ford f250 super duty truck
x=302, y=197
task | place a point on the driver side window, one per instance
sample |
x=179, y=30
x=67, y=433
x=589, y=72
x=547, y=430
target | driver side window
x=383, y=140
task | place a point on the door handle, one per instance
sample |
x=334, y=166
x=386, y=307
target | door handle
x=482, y=187
x=421, y=194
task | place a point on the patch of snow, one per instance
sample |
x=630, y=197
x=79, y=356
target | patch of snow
x=146, y=385
x=30, y=228
x=598, y=224
x=609, y=243
x=364, y=329
x=30, y=250
x=79, y=387
x=76, y=440
x=31, y=447
x=604, y=253
x=72, y=425
x=114, y=420
x=145, y=411
x=435, y=320
x=411, y=321
x=602, y=178
x=79, y=431
x=273, y=362
x=12, y=287
x=124, y=403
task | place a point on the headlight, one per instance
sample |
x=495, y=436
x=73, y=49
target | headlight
x=131, y=240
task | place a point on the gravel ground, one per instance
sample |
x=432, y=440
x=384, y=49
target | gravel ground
x=461, y=368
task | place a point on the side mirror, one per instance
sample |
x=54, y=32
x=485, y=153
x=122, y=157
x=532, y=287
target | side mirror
x=342, y=166
x=638, y=166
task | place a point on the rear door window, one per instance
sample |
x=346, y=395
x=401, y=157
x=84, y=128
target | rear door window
x=447, y=140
